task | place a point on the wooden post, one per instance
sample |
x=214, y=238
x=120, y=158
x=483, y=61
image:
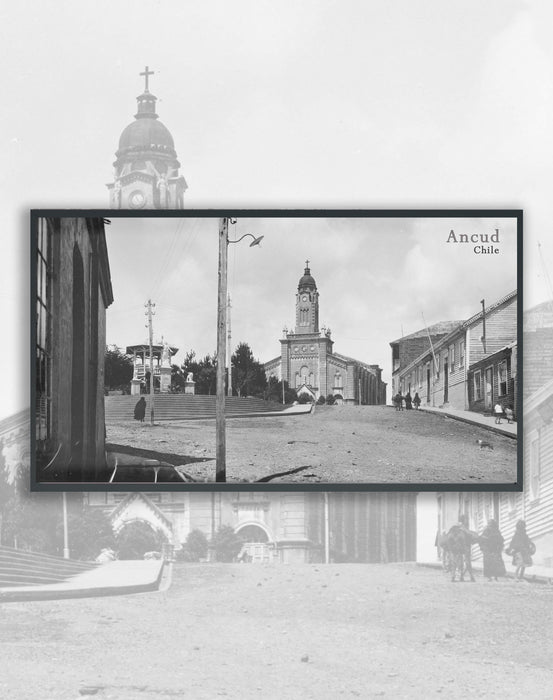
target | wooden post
x=151, y=339
x=326, y=528
x=229, y=353
x=65, y=531
x=220, y=437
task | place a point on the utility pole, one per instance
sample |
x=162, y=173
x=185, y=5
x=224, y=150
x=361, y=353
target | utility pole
x=220, y=427
x=220, y=447
x=229, y=353
x=65, y=531
x=326, y=528
x=150, y=313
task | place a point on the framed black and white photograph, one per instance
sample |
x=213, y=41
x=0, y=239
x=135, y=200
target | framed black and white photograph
x=360, y=348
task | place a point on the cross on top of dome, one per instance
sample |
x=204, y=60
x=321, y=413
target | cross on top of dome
x=146, y=73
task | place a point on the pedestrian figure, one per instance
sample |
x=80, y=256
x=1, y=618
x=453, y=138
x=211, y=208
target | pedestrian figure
x=397, y=401
x=140, y=410
x=408, y=401
x=491, y=543
x=509, y=414
x=521, y=549
x=400, y=401
x=416, y=401
x=498, y=412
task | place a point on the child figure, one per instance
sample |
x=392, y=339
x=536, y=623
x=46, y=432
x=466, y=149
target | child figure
x=498, y=412
x=509, y=414
x=521, y=549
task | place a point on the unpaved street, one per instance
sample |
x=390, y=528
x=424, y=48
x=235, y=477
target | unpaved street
x=279, y=631
x=349, y=444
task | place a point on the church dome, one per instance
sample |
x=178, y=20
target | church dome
x=146, y=134
x=307, y=280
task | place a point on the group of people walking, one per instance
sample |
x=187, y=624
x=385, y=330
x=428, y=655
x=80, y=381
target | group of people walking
x=521, y=548
x=409, y=401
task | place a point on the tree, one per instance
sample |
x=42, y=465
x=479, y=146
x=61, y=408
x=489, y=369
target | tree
x=273, y=392
x=204, y=371
x=89, y=530
x=118, y=369
x=195, y=546
x=226, y=544
x=178, y=379
x=248, y=374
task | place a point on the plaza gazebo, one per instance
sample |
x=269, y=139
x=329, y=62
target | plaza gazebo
x=161, y=354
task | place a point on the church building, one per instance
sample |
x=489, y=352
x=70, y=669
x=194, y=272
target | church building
x=309, y=364
x=146, y=170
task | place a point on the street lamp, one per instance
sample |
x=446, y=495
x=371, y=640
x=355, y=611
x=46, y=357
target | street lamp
x=220, y=438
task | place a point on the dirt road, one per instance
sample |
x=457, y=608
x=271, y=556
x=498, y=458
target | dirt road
x=281, y=631
x=348, y=444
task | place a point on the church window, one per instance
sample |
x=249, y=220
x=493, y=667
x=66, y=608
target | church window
x=338, y=380
x=304, y=374
x=43, y=333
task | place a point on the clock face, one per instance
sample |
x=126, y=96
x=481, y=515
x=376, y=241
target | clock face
x=304, y=298
x=137, y=199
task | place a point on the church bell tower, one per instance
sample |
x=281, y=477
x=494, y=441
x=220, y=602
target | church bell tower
x=146, y=169
x=307, y=304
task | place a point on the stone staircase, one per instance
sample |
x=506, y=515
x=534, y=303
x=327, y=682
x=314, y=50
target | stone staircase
x=20, y=568
x=186, y=407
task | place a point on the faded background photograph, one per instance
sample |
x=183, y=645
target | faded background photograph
x=288, y=594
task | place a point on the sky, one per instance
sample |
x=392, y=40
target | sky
x=319, y=104
x=376, y=277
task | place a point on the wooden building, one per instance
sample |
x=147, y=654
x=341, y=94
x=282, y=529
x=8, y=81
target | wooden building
x=439, y=374
x=535, y=504
x=73, y=291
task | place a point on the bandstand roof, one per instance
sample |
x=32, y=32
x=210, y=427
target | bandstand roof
x=145, y=347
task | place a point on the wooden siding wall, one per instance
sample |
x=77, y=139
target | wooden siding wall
x=371, y=528
x=501, y=330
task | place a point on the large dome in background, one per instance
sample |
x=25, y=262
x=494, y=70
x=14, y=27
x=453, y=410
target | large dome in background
x=145, y=134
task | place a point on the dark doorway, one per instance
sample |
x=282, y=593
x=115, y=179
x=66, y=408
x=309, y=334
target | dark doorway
x=446, y=381
x=428, y=385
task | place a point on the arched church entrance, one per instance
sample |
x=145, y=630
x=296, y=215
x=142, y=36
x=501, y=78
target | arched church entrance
x=256, y=547
x=136, y=537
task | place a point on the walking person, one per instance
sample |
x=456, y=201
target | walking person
x=509, y=413
x=416, y=401
x=491, y=543
x=498, y=412
x=408, y=401
x=140, y=410
x=521, y=548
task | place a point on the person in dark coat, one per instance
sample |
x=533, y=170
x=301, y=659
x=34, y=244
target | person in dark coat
x=140, y=410
x=491, y=543
x=521, y=549
x=408, y=401
x=416, y=400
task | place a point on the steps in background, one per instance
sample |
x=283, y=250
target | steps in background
x=185, y=407
x=20, y=568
